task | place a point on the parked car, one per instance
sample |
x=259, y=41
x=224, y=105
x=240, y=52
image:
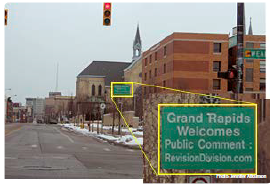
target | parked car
x=39, y=121
x=53, y=121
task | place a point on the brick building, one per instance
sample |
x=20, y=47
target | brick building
x=190, y=62
x=254, y=69
x=187, y=61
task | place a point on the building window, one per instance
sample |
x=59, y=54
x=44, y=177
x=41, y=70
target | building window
x=164, y=83
x=146, y=61
x=217, y=47
x=165, y=50
x=155, y=72
x=145, y=76
x=150, y=59
x=216, y=84
x=216, y=66
x=249, y=45
x=93, y=90
x=164, y=70
x=100, y=90
x=262, y=45
x=155, y=56
x=140, y=74
x=145, y=90
x=249, y=75
x=249, y=89
x=149, y=74
x=262, y=84
x=155, y=89
x=249, y=60
x=262, y=66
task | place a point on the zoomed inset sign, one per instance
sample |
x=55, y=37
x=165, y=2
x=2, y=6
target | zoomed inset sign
x=207, y=137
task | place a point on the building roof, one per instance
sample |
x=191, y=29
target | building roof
x=111, y=70
x=133, y=63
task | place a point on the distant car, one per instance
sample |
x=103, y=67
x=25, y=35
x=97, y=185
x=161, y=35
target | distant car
x=39, y=121
x=53, y=121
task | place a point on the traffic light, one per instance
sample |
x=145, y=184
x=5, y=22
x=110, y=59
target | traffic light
x=107, y=14
x=9, y=100
x=6, y=17
x=231, y=75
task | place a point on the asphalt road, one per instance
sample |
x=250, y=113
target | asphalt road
x=47, y=151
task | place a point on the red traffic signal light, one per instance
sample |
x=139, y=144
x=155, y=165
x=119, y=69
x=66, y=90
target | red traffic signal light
x=230, y=74
x=107, y=14
x=107, y=5
x=6, y=17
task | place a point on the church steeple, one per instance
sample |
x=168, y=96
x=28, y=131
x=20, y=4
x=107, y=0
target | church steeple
x=137, y=45
x=250, y=31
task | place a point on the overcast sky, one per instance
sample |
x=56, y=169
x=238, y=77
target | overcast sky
x=40, y=35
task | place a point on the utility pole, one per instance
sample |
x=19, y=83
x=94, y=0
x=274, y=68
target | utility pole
x=119, y=127
x=240, y=38
x=57, y=79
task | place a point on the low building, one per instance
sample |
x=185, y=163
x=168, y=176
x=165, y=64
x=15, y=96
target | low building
x=19, y=113
x=93, y=86
x=58, y=107
x=38, y=108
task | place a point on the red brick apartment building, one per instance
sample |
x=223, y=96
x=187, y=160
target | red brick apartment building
x=187, y=61
x=190, y=62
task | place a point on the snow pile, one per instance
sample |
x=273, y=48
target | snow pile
x=125, y=139
x=108, y=137
x=130, y=140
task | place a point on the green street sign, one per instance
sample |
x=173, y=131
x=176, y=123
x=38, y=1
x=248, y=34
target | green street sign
x=254, y=53
x=207, y=137
x=121, y=89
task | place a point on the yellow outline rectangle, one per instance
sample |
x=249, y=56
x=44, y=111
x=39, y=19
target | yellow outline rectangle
x=121, y=96
x=202, y=105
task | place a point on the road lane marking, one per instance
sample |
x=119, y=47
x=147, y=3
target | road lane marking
x=106, y=149
x=84, y=148
x=34, y=146
x=11, y=158
x=130, y=150
x=12, y=131
x=60, y=147
x=70, y=139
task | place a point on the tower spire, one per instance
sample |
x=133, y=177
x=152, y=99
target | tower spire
x=250, y=31
x=137, y=44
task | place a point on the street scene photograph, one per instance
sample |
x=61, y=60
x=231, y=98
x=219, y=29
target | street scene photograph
x=150, y=92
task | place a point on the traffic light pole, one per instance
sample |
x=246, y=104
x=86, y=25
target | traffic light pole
x=240, y=35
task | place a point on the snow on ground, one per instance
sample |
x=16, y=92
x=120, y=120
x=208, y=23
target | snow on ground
x=125, y=139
